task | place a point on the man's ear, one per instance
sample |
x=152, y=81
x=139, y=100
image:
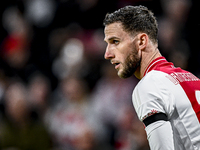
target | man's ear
x=143, y=40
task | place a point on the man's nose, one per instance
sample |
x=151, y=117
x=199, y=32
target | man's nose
x=108, y=54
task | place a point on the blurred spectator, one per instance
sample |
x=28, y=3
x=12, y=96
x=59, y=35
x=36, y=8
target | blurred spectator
x=72, y=124
x=40, y=12
x=15, y=48
x=18, y=129
x=16, y=44
x=70, y=58
x=39, y=91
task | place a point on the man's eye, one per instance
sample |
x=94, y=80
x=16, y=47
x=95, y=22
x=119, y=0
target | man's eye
x=115, y=41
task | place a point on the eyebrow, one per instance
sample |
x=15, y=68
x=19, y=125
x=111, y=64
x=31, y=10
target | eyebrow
x=111, y=38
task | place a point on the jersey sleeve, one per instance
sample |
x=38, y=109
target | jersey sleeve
x=152, y=96
x=160, y=135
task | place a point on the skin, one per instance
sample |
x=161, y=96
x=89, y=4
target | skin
x=131, y=54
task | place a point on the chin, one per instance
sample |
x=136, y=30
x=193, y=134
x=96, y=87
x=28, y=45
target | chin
x=119, y=74
x=126, y=73
x=122, y=75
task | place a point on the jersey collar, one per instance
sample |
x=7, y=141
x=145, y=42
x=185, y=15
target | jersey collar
x=154, y=63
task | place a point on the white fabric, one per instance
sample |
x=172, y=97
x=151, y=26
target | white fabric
x=157, y=93
x=160, y=136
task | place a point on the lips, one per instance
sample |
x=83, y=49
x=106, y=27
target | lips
x=116, y=64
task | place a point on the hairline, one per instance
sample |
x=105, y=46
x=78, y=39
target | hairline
x=131, y=33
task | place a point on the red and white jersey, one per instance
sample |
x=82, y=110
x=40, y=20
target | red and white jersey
x=176, y=93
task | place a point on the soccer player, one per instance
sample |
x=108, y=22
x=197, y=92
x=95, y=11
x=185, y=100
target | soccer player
x=166, y=99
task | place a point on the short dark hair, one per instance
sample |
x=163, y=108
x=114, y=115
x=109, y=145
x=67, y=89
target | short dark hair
x=135, y=19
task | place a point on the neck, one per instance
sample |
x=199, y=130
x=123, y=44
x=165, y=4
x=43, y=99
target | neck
x=146, y=60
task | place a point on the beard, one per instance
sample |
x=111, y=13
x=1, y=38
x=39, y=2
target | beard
x=132, y=62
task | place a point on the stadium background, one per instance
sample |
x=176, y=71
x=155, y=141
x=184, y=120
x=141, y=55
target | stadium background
x=56, y=89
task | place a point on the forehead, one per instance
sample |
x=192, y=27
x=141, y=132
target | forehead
x=114, y=30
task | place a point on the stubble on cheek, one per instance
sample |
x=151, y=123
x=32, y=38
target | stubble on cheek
x=132, y=62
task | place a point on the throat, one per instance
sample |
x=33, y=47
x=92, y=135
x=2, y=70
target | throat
x=147, y=60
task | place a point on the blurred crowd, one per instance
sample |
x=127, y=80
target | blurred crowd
x=56, y=90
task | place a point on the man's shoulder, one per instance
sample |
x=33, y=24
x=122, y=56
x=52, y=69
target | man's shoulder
x=152, y=82
x=153, y=76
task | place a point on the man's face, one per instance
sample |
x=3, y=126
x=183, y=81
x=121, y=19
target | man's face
x=121, y=50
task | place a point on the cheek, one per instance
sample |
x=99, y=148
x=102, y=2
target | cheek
x=125, y=51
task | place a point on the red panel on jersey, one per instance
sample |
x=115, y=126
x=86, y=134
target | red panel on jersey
x=188, y=81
